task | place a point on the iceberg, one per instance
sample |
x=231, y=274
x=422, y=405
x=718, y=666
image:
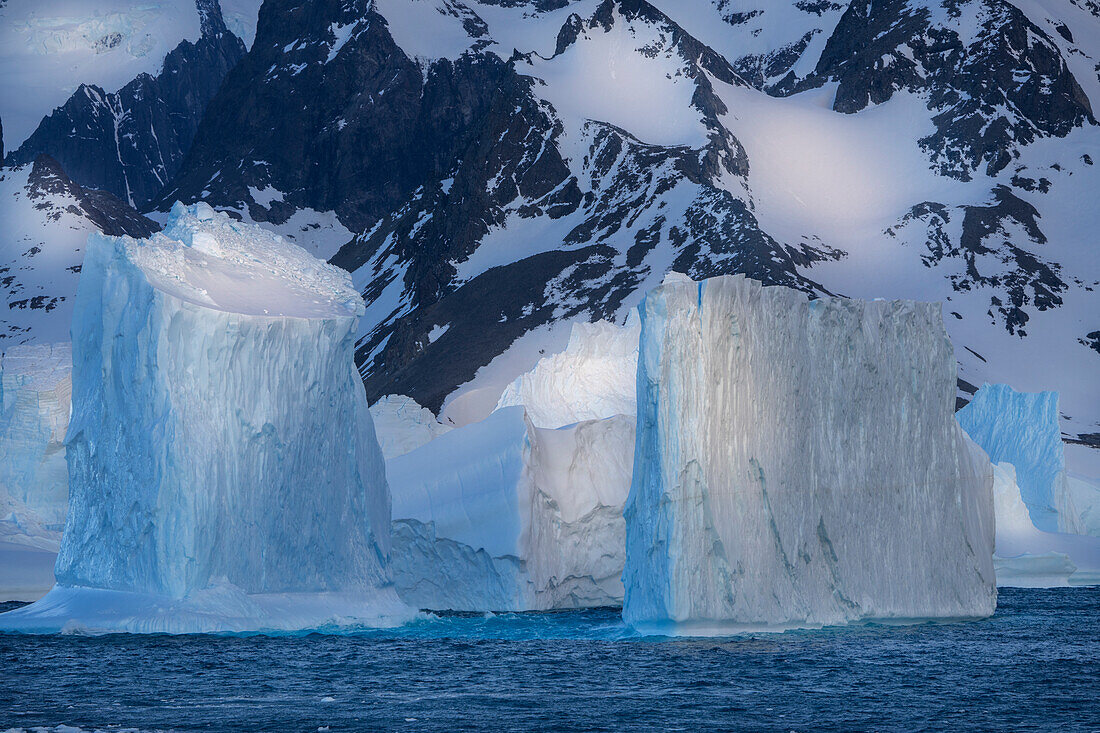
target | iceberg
x=593, y=378
x=402, y=425
x=35, y=389
x=798, y=464
x=224, y=473
x=1028, y=557
x=1021, y=428
x=502, y=516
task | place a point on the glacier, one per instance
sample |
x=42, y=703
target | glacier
x=593, y=378
x=1021, y=428
x=224, y=473
x=798, y=464
x=500, y=515
x=35, y=390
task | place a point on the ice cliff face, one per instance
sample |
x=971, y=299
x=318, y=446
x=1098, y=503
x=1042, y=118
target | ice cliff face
x=798, y=463
x=36, y=390
x=220, y=444
x=592, y=379
x=1021, y=428
x=500, y=515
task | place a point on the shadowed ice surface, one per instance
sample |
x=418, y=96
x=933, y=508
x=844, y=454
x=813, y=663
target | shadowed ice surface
x=1033, y=666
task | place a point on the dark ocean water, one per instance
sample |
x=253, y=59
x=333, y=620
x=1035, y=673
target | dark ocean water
x=1033, y=666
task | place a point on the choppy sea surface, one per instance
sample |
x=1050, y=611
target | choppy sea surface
x=1034, y=666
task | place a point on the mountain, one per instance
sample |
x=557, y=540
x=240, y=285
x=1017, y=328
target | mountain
x=506, y=167
x=47, y=218
x=48, y=48
x=131, y=142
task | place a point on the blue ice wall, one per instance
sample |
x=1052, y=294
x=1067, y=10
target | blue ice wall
x=1021, y=428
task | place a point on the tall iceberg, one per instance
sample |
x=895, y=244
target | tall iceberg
x=1021, y=428
x=502, y=516
x=224, y=472
x=798, y=464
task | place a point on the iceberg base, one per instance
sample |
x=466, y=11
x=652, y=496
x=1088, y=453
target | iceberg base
x=224, y=609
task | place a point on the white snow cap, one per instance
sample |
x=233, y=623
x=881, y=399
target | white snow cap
x=206, y=258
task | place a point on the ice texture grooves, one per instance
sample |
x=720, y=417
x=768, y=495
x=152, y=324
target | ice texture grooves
x=1021, y=428
x=502, y=516
x=217, y=460
x=798, y=464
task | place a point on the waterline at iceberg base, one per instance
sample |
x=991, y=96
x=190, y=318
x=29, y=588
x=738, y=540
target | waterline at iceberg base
x=798, y=464
x=223, y=469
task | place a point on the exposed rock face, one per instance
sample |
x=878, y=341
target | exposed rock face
x=500, y=167
x=131, y=142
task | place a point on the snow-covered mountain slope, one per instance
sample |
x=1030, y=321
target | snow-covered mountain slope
x=131, y=142
x=49, y=48
x=46, y=222
x=507, y=167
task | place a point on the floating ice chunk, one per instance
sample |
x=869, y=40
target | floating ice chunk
x=502, y=516
x=403, y=425
x=592, y=379
x=798, y=464
x=223, y=469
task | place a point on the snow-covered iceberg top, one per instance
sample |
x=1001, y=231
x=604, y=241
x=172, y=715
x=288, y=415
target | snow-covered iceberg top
x=224, y=473
x=592, y=379
x=206, y=258
x=798, y=464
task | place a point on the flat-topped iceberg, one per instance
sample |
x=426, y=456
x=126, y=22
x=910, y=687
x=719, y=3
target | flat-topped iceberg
x=502, y=516
x=798, y=464
x=223, y=469
x=35, y=392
